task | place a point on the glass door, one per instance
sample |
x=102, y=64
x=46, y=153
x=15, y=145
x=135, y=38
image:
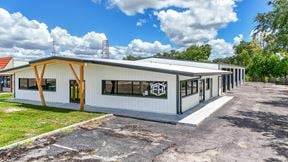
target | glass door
x=75, y=92
x=202, y=90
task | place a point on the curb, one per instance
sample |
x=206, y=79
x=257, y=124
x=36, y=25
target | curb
x=52, y=132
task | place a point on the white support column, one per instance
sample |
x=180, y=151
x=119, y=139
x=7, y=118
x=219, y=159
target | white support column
x=229, y=80
x=241, y=76
x=235, y=76
x=244, y=75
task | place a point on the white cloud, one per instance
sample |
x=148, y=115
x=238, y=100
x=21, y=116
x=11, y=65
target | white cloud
x=29, y=39
x=196, y=21
x=141, y=22
x=17, y=31
x=220, y=49
x=89, y=44
x=145, y=49
x=137, y=47
x=238, y=39
x=131, y=7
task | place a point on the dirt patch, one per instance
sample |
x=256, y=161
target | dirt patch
x=12, y=110
x=17, y=152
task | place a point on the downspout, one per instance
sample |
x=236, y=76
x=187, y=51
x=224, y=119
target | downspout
x=178, y=104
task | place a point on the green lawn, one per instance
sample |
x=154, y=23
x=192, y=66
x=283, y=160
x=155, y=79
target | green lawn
x=21, y=121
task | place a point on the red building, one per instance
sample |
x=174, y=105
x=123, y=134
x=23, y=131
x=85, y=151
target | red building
x=6, y=83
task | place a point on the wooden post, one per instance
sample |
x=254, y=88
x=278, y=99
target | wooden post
x=39, y=83
x=82, y=87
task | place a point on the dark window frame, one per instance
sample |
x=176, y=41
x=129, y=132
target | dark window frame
x=197, y=86
x=44, y=88
x=208, y=84
x=192, y=87
x=149, y=95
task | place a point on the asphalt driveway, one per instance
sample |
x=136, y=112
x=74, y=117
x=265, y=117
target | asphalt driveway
x=251, y=127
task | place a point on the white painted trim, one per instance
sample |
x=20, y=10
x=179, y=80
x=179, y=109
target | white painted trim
x=52, y=132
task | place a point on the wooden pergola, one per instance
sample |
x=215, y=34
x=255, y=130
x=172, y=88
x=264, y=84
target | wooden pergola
x=79, y=79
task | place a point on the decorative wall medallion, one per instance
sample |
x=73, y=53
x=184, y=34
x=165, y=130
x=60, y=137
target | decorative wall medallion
x=158, y=89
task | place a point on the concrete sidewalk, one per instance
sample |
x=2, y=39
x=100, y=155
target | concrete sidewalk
x=198, y=116
x=191, y=117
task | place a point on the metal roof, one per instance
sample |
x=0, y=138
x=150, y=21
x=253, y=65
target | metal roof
x=188, y=63
x=139, y=65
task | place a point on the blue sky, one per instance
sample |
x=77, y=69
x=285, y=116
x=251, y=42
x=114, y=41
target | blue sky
x=118, y=22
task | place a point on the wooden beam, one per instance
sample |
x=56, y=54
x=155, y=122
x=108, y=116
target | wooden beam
x=39, y=85
x=56, y=61
x=82, y=88
x=74, y=73
x=42, y=73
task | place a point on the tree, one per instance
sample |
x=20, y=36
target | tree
x=195, y=53
x=172, y=54
x=226, y=60
x=243, y=54
x=272, y=27
x=251, y=47
x=245, y=51
x=192, y=53
x=132, y=58
x=257, y=68
x=284, y=65
x=273, y=66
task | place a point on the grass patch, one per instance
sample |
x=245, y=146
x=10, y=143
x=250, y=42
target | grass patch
x=21, y=121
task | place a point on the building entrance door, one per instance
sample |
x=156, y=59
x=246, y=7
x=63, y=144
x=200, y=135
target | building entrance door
x=75, y=91
x=202, y=90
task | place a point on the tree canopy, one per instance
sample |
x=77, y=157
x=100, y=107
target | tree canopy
x=272, y=27
x=192, y=53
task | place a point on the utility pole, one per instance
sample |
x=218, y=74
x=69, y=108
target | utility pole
x=105, y=49
x=53, y=52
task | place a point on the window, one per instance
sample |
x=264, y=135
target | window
x=23, y=83
x=183, y=88
x=135, y=88
x=146, y=88
x=195, y=86
x=189, y=87
x=208, y=86
x=5, y=81
x=110, y=87
x=50, y=84
x=30, y=84
x=124, y=87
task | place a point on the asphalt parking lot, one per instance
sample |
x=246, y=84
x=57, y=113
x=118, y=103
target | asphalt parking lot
x=251, y=127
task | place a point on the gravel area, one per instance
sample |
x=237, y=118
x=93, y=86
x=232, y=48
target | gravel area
x=251, y=127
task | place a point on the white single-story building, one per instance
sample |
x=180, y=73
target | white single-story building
x=150, y=85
